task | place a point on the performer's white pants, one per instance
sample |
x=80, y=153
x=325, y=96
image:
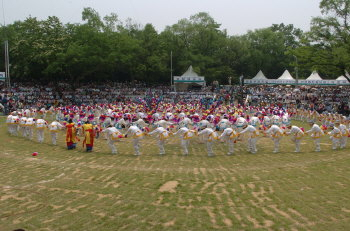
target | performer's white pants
x=24, y=131
x=230, y=143
x=54, y=138
x=30, y=132
x=276, y=144
x=335, y=143
x=297, y=143
x=111, y=144
x=252, y=145
x=161, y=146
x=40, y=133
x=136, y=143
x=317, y=144
x=184, y=144
x=343, y=141
x=210, y=148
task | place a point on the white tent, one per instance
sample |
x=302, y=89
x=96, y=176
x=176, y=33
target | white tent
x=341, y=78
x=286, y=76
x=188, y=79
x=190, y=73
x=260, y=75
x=314, y=76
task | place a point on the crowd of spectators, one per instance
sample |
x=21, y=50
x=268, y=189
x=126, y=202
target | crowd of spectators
x=320, y=98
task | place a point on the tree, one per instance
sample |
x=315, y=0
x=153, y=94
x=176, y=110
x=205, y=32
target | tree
x=331, y=32
x=267, y=51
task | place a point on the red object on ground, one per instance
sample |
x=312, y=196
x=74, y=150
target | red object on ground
x=34, y=154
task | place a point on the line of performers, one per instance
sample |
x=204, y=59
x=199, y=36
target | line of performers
x=229, y=126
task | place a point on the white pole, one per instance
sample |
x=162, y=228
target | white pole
x=7, y=64
x=171, y=69
x=296, y=69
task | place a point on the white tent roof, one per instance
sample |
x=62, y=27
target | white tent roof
x=190, y=73
x=341, y=78
x=286, y=75
x=260, y=75
x=314, y=76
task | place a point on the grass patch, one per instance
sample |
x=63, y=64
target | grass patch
x=75, y=190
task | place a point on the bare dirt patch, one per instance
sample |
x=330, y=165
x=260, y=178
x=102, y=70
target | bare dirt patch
x=169, y=186
x=170, y=223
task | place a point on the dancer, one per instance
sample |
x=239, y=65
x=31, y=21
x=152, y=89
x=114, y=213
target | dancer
x=89, y=134
x=185, y=136
x=316, y=133
x=113, y=134
x=230, y=137
x=54, y=127
x=41, y=124
x=136, y=134
x=276, y=134
x=209, y=135
x=297, y=134
x=253, y=134
x=71, y=132
x=162, y=134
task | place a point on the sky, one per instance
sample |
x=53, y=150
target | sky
x=236, y=16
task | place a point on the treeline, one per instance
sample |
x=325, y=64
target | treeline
x=105, y=48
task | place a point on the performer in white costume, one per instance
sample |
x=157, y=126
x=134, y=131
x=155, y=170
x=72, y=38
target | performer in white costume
x=276, y=134
x=297, y=134
x=316, y=133
x=40, y=126
x=30, y=126
x=161, y=134
x=345, y=135
x=113, y=134
x=136, y=134
x=185, y=135
x=54, y=127
x=335, y=136
x=253, y=134
x=209, y=135
x=230, y=137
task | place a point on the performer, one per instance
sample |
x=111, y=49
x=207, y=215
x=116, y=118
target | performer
x=136, y=134
x=113, y=134
x=185, y=135
x=9, y=123
x=89, y=134
x=71, y=138
x=230, y=137
x=40, y=126
x=345, y=134
x=54, y=127
x=29, y=127
x=209, y=135
x=297, y=134
x=253, y=134
x=162, y=135
x=22, y=125
x=335, y=136
x=276, y=134
x=316, y=133
x=14, y=124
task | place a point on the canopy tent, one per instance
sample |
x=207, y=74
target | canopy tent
x=314, y=76
x=286, y=76
x=260, y=75
x=189, y=79
x=190, y=73
x=341, y=78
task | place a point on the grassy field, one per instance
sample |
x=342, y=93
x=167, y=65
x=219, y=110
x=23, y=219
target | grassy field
x=75, y=190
